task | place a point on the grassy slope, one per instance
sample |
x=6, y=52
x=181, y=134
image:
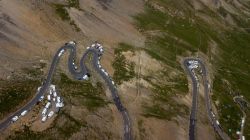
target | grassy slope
x=18, y=90
x=14, y=93
x=167, y=42
x=83, y=91
x=62, y=12
x=124, y=70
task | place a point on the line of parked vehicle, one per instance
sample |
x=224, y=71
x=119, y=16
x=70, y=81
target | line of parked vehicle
x=192, y=66
x=52, y=99
x=100, y=48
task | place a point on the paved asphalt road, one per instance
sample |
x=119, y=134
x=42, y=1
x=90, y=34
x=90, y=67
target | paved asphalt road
x=193, y=119
x=77, y=74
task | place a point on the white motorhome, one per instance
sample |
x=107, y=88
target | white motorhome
x=212, y=114
x=217, y=122
x=101, y=50
x=50, y=92
x=38, y=89
x=61, y=52
x=51, y=113
x=48, y=97
x=24, y=113
x=58, y=99
x=243, y=121
x=72, y=42
x=85, y=77
x=47, y=105
x=54, y=94
x=98, y=44
x=44, y=111
x=44, y=118
x=59, y=105
x=14, y=118
x=53, y=87
x=106, y=73
x=41, y=98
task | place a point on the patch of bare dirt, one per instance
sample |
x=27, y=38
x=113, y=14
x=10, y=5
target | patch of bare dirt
x=145, y=63
x=111, y=24
x=161, y=130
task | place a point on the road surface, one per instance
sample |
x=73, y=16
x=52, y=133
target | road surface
x=77, y=74
x=212, y=119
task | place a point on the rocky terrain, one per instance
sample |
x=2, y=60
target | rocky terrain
x=145, y=42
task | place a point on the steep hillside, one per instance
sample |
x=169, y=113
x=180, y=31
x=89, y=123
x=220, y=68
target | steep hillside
x=145, y=43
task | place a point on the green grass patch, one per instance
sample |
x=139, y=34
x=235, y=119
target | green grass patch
x=61, y=11
x=86, y=94
x=142, y=130
x=18, y=90
x=163, y=105
x=157, y=111
x=74, y=3
x=229, y=113
x=233, y=68
x=14, y=93
x=33, y=72
x=124, y=70
x=163, y=111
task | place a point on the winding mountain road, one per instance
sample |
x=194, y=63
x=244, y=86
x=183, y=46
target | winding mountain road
x=211, y=117
x=77, y=74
